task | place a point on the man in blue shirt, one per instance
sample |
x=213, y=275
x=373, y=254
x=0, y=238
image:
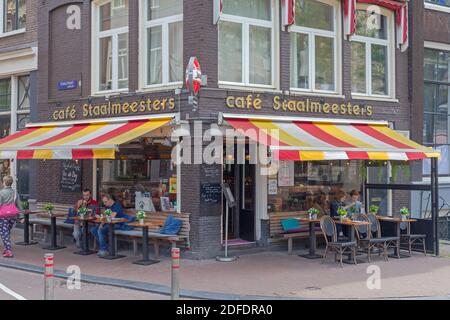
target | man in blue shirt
x=100, y=231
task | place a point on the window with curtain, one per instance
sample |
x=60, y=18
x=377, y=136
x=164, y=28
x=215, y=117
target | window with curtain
x=112, y=45
x=445, y=3
x=436, y=106
x=371, y=54
x=313, y=46
x=13, y=15
x=164, y=42
x=247, y=62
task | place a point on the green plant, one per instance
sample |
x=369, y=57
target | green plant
x=82, y=211
x=49, y=207
x=341, y=212
x=374, y=209
x=108, y=212
x=140, y=215
x=25, y=205
x=313, y=211
x=404, y=211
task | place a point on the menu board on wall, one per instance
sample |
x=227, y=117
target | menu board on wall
x=286, y=174
x=211, y=190
x=70, y=176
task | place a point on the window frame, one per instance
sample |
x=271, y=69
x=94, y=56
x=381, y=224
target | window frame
x=312, y=34
x=436, y=7
x=4, y=33
x=245, y=22
x=144, y=53
x=97, y=35
x=14, y=111
x=389, y=44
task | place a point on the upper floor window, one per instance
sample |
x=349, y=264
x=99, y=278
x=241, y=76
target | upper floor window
x=163, y=42
x=373, y=53
x=314, y=54
x=12, y=15
x=111, y=45
x=5, y=94
x=445, y=3
x=246, y=43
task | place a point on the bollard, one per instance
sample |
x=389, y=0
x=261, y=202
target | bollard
x=48, y=277
x=175, y=292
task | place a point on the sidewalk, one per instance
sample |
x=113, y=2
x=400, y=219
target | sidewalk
x=265, y=274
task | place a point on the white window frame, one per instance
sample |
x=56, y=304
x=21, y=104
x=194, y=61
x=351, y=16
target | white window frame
x=97, y=35
x=2, y=26
x=312, y=33
x=389, y=43
x=144, y=54
x=246, y=22
x=14, y=112
x=436, y=7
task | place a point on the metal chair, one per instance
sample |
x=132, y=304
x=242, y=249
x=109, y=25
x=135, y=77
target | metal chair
x=411, y=239
x=375, y=233
x=328, y=227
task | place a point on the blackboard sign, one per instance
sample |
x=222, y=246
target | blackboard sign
x=211, y=193
x=70, y=176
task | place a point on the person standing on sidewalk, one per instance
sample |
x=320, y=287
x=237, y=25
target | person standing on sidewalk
x=9, y=203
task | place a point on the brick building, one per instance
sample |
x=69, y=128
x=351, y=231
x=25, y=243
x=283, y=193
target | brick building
x=265, y=65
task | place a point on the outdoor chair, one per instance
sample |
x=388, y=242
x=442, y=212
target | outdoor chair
x=411, y=239
x=366, y=239
x=375, y=233
x=328, y=227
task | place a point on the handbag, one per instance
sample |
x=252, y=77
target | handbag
x=9, y=210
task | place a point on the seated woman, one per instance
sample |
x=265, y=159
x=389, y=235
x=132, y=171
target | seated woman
x=339, y=201
x=321, y=204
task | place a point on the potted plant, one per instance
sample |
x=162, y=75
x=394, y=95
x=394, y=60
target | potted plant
x=49, y=208
x=82, y=212
x=313, y=212
x=25, y=205
x=108, y=213
x=404, y=212
x=374, y=209
x=140, y=215
x=342, y=213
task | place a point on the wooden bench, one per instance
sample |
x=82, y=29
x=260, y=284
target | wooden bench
x=276, y=230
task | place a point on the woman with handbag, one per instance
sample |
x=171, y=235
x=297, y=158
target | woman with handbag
x=9, y=210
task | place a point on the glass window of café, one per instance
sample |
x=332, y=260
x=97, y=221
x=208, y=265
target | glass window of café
x=372, y=71
x=163, y=42
x=246, y=43
x=143, y=177
x=111, y=45
x=314, y=53
x=12, y=15
x=301, y=185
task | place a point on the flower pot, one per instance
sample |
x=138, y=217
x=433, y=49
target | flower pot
x=49, y=212
x=141, y=221
x=108, y=218
x=342, y=218
x=314, y=216
x=404, y=217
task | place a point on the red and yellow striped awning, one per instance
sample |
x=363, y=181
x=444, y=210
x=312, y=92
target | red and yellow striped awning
x=94, y=140
x=314, y=140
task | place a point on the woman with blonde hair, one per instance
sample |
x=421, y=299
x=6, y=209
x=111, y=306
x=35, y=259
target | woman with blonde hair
x=10, y=207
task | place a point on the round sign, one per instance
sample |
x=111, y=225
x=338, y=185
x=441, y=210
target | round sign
x=193, y=76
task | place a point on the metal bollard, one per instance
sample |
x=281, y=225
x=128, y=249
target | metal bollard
x=175, y=292
x=48, y=277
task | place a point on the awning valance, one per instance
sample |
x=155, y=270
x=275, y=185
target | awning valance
x=84, y=140
x=317, y=139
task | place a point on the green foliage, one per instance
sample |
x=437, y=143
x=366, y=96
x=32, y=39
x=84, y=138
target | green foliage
x=404, y=211
x=140, y=215
x=25, y=205
x=49, y=207
x=82, y=211
x=341, y=212
x=374, y=209
x=108, y=212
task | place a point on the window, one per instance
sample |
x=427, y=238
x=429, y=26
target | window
x=5, y=94
x=163, y=42
x=437, y=105
x=112, y=45
x=445, y=3
x=246, y=43
x=372, y=54
x=14, y=103
x=12, y=15
x=313, y=46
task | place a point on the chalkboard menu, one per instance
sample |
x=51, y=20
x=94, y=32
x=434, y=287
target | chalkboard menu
x=70, y=176
x=211, y=190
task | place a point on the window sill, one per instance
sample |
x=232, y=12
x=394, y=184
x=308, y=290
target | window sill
x=109, y=93
x=295, y=93
x=162, y=87
x=12, y=33
x=436, y=7
x=374, y=98
x=237, y=87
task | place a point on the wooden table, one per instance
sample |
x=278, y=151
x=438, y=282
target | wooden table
x=312, y=238
x=26, y=231
x=145, y=226
x=352, y=224
x=397, y=221
x=111, y=236
x=85, y=251
x=53, y=246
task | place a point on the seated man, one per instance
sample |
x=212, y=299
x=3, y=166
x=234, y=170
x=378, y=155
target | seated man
x=88, y=203
x=100, y=231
